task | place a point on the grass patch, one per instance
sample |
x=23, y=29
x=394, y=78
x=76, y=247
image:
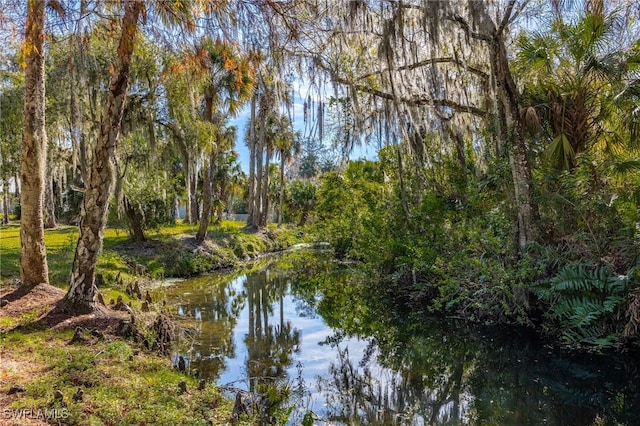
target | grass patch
x=61, y=245
x=121, y=384
x=164, y=255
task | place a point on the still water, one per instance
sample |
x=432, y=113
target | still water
x=305, y=321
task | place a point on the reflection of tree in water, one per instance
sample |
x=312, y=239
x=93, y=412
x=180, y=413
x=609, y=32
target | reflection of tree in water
x=416, y=370
x=214, y=312
x=446, y=379
x=269, y=346
x=370, y=394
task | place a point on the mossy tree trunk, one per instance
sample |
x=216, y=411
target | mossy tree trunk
x=83, y=295
x=510, y=123
x=33, y=254
x=512, y=130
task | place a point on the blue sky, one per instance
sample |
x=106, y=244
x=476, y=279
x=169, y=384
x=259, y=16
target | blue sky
x=301, y=92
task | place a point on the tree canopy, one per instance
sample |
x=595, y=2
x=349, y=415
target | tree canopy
x=504, y=188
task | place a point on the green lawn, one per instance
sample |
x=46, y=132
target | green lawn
x=166, y=257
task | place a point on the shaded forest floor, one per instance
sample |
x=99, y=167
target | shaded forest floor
x=85, y=370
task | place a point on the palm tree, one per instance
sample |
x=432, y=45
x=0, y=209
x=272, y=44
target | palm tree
x=572, y=72
x=287, y=144
x=230, y=181
x=231, y=84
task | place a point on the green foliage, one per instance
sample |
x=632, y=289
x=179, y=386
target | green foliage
x=585, y=304
x=456, y=254
x=11, y=105
x=301, y=199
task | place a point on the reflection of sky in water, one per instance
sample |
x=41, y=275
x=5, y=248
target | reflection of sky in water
x=314, y=357
x=313, y=353
x=445, y=378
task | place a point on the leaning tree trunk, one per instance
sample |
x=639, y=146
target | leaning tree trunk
x=83, y=295
x=33, y=255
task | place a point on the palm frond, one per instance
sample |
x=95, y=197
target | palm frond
x=176, y=13
x=560, y=152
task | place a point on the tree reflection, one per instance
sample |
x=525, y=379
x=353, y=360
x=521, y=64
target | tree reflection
x=431, y=371
x=212, y=307
x=438, y=378
x=269, y=346
x=415, y=369
x=370, y=394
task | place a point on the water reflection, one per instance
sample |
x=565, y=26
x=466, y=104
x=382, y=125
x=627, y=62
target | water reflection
x=306, y=320
x=269, y=346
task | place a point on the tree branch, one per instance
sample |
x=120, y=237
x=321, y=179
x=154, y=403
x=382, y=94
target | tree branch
x=506, y=17
x=416, y=100
x=420, y=100
x=431, y=61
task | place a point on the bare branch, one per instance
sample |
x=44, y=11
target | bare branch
x=421, y=100
x=430, y=61
x=506, y=17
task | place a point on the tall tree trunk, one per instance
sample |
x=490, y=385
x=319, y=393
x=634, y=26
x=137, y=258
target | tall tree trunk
x=195, y=205
x=82, y=294
x=5, y=202
x=207, y=196
x=16, y=192
x=264, y=209
x=77, y=132
x=33, y=259
x=77, y=76
x=259, y=176
x=187, y=184
x=512, y=130
x=50, y=207
x=281, y=189
x=186, y=161
x=251, y=221
x=209, y=171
